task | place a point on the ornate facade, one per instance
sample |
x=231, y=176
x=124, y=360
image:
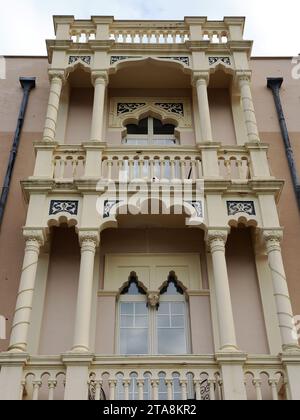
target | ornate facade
x=112, y=265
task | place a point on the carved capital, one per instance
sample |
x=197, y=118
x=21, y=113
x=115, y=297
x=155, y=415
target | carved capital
x=200, y=77
x=272, y=239
x=55, y=75
x=34, y=237
x=216, y=239
x=244, y=76
x=89, y=238
x=153, y=299
x=99, y=77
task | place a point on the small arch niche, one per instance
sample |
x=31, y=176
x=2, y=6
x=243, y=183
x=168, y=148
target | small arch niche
x=133, y=287
x=172, y=286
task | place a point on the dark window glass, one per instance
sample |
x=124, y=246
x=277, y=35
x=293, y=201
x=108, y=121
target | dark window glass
x=160, y=128
x=141, y=128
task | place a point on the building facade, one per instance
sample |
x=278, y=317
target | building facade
x=151, y=217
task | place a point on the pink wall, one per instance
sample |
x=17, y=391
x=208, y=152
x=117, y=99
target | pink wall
x=80, y=115
x=245, y=294
x=61, y=294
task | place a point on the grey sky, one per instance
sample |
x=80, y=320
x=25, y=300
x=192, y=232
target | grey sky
x=272, y=24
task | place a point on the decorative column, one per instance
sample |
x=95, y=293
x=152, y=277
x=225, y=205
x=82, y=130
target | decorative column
x=19, y=334
x=100, y=81
x=230, y=359
x=288, y=333
x=57, y=77
x=200, y=81
x=248, y=108
x=216, y=241
x=89, y=240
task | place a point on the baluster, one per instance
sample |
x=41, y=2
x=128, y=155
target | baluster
x=109, y=167
x=98, y=389
x=62, y=168
x=198, y=390
x=140, y=168
x=157, y=36
x=174, y=35
x=165, y=36
x=132, y=37
x=182, y=37
x=162, y=164
x=227, y=164
x=112, y=389
x=182, y=169
x=183, y=390
x=212, y=395
x=141, y=35
x=123, y=36
x=193, y=168
x=273, y=384
x=169, y=384
x=149, y=37
x=51, y=385
x=131, y=169
x=152, y=166
x=140, y=384
x=257, y=384
x=22, y=388
x=74, y=163
x=173, y=174
x=154, y=385
x=36, y=389
x=126, y=383
x=78, y=37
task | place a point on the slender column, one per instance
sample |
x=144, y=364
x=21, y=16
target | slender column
x=19, y=334
x=272, y=240
x=56, y=82
x=248, y=107
x=201, y=82
x=89, y=240
x=216, y=241
x=100, y=80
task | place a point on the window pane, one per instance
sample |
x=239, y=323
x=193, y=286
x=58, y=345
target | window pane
x=141, y=322
x=171, y=341
x=178, y=321
x=163, y=308
x=163, y=321
x=160, y=128
x=127, y=308
x=141, y=308
x=141, y=128
x=134, y=341
x=177, y=308
x=127, y=321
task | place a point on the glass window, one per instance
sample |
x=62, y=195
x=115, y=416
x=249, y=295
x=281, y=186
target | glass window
x=133, y=328
x=150, y=131
x=171, y=334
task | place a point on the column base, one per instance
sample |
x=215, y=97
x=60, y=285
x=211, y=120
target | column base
x=232, y=364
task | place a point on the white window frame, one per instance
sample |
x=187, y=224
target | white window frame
x=151, y=138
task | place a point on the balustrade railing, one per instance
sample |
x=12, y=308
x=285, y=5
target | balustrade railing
x=234, y=164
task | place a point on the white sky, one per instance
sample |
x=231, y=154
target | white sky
x=274, y=25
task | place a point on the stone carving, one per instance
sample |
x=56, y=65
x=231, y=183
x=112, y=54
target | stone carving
x=124, y=108
x=63, y=206
x=198, y=206
x=234, y=207
x=184, y=60
x=84, y=58
x=214, y=60
x=115, y=58
x=153, y=299
x=174, y=108
x=107, y=207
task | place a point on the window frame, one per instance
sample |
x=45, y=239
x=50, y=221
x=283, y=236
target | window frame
x=150, y=138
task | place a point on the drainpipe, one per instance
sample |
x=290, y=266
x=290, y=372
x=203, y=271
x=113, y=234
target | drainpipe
x=27, y=84
x=274, y=83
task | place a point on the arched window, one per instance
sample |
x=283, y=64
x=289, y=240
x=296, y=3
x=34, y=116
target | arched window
x=150, y=131
x=153, y=329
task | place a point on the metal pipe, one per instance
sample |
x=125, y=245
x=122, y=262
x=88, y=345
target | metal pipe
x=27, y=84
x=274, y=83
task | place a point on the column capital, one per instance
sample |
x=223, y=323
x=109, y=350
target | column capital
x=89, y=237
x=57, y=74
x=216, y=237
x=34, y=235
x=272, y=239
x=200, y=77
x=243, y=75
x=99, y=77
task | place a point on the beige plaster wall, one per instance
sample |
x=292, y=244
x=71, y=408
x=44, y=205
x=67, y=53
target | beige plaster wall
x=245, y=294
x=11, y=241
x=221, y=116
x=270, y=133
x=61, y=293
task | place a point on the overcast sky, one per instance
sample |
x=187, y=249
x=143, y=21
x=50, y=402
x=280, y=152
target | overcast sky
x=274, y=25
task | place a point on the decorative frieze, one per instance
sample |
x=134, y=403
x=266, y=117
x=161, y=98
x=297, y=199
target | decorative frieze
x=184, y=60
x=234, y=207
x=84, y=58
x=198, y=206
x=124, y=108
x=173, y=108
x=63, y=206
x=214, y=60
x=115, y=58
x=107, y=207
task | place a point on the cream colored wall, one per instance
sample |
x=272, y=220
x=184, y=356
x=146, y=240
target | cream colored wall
x=245, y=294
x=80, y=115
x=61, y=293
x=221, y=116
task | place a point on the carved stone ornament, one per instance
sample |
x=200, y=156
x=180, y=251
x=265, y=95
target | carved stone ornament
x=36, y=235
x=108, y=206
x=124, y=108
x=234, y=207
x=198, y=206
x=63, y=206
x=84, y=58
x=214, y=60
x=89, y=237
x=115, y=58
x=153, y=299
x=273, y=236
x=184, y=60
x=173, y=108
x=217, y=235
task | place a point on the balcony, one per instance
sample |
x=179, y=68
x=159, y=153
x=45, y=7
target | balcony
x=153, y=378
